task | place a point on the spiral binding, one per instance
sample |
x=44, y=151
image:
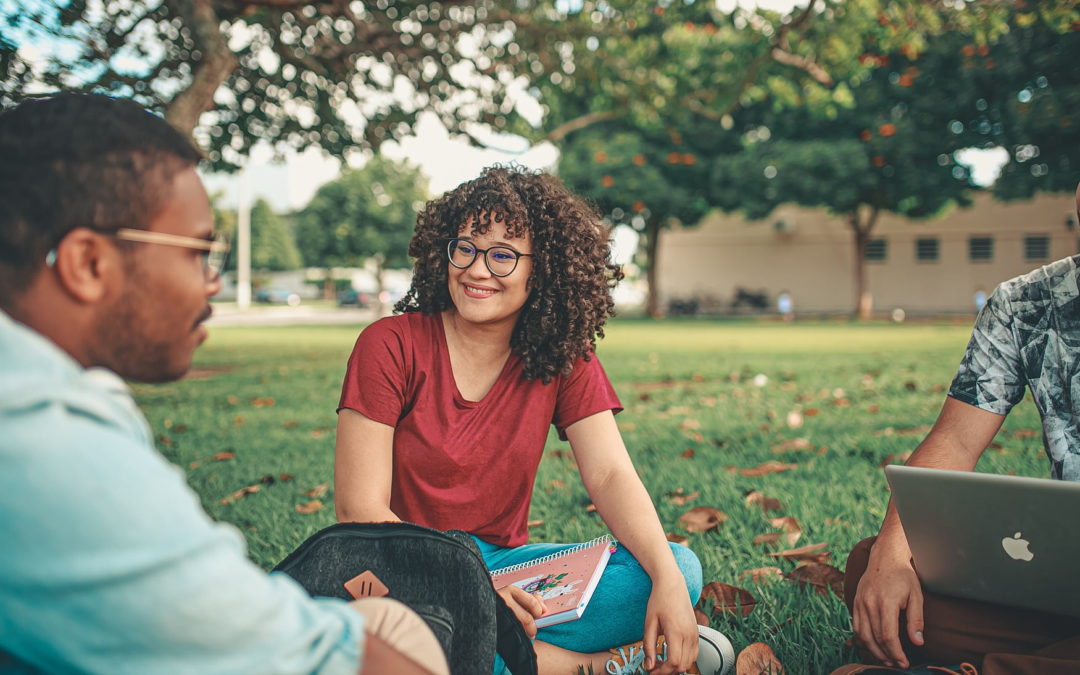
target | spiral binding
x=529, y=563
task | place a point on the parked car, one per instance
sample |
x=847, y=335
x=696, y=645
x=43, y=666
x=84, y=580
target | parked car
x=277, y=296
x=354, y=298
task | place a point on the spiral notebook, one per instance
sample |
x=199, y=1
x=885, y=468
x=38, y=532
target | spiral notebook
x=564, y=581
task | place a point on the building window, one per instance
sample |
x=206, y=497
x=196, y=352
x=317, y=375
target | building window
x=980, y=249
x=877, y=250
x=926, y=249
x=1036, y=247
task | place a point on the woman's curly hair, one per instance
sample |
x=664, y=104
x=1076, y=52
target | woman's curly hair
x=570, y=287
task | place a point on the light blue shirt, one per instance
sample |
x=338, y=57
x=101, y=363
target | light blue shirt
x=108, y=564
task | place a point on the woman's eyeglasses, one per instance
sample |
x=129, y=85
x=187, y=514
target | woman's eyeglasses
x=501, y=261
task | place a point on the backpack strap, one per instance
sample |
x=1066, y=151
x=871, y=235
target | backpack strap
x=511, y=641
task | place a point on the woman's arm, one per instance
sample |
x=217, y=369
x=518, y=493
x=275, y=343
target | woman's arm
x=625, y=505
x=363, y=466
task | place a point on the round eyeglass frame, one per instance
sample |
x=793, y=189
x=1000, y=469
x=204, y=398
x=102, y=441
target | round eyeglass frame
x=451, y=243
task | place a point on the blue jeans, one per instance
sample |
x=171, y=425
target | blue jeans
x=616, y=613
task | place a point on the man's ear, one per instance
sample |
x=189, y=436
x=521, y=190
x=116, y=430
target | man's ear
x=86, y=265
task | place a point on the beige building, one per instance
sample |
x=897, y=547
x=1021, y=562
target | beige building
x=920, y=266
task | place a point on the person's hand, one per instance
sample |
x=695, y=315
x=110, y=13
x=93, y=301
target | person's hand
x=525, y=606
x=670, y=614
x=886, y=588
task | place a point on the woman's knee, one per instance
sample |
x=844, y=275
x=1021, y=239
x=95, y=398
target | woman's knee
x=690, y=567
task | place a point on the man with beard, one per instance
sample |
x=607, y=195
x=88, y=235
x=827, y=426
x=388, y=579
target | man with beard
x=107, y=262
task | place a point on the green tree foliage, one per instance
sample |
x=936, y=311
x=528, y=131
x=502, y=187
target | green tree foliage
x=893, y=148
x=273, y=247
x=366, y=214
x=337, y=74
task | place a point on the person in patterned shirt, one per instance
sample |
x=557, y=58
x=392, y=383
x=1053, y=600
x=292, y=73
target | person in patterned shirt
x=1026, y=336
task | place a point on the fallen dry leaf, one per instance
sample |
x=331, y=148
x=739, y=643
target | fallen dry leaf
x=794, y=419
x=821, y=576
x=165, y=440
x=285, y=477
x=242, y=492
x=263, y=402
x=702, y=618
x=687, y=454
x=766, y=503
x=193, y=465
x=290, y=424
x=702, y=519
x=763, y=469
x=534, y=523
x=841, y=402
x=267, y=480
x=727, y=598
x=677, y=497
x=810, y=412
x=1025, y=433
x=591, y=508
x=678, y=539
x=767, y=539
x=873, y=408
x=758, y=659
x=238, y=420
x=808, y=553
x=311, y=507
x=232, y=400
x=786, y=523
x=224, y=456
x=895, y=458
x=793, y=444
x=689, y=424
x=317, y=491
x=763, y=575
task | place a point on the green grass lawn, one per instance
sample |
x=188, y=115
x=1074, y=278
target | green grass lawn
x=702, y=399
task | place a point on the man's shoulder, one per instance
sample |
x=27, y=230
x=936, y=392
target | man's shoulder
x=1056, y=280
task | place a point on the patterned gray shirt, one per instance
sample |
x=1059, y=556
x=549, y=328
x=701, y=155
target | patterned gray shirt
x=1028, y=333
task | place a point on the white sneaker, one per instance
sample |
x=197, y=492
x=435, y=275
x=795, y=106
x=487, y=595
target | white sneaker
x=715, y=655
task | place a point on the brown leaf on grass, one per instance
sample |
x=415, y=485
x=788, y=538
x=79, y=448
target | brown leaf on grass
x=702, y=618
x=763, y=575
x=194, y=465
x=821, y=576
x=232, y=400
x=764, y=502
x=262, y=402
x=727, y=598
x=179, y=428
x=224, y=456
x=317, y=491
x=808, y=553
x=238, y=420
x=786, y=523
x=534, y=523
x=910, y=385
x=1025, y=433
x=627, y=426
x=285, y=477
x=290, y=424
x=559, y=453
x=794, y=419
x=687, y=454
x=810, y=412
x=242, y=492
x=702, y=519
x=677, y=497
x=920, y=430
x=165, y=440
x=591, y=508
x=678, y=539
x=758, y=659
x=793, y=444
x=763, y=469
x=690, y=424
x=768, y=538
x=311, y=507
x=895, y=458
x=267, y=480
x=873, y=408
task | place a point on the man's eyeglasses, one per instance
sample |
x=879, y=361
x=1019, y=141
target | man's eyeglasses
x=216, y=250
x=500, y=260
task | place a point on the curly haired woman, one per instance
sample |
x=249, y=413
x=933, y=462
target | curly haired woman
x=446, y=407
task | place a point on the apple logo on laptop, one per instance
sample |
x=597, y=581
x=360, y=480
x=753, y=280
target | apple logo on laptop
x=1017, y=548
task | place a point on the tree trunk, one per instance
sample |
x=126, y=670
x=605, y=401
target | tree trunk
x=380, y=268
x=864, y=299
x=652, y=244
x=328, y=290
x=217, y=61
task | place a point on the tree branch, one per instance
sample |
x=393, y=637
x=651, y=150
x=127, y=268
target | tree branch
x=563, y=130
x=802, y=63
x=184, y=110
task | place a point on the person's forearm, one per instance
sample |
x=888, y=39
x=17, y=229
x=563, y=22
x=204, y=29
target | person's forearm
x=934, y=452
x=365, y=513
x=624, y=504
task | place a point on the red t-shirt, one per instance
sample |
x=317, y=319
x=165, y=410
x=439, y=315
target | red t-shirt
x=458, y=464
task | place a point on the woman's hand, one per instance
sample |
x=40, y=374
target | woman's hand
x=670, y=614
x=525, y=606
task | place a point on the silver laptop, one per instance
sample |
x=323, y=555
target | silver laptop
x=1001, y=539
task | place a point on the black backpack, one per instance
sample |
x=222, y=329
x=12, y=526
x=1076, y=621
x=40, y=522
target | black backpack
x=440, y=575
